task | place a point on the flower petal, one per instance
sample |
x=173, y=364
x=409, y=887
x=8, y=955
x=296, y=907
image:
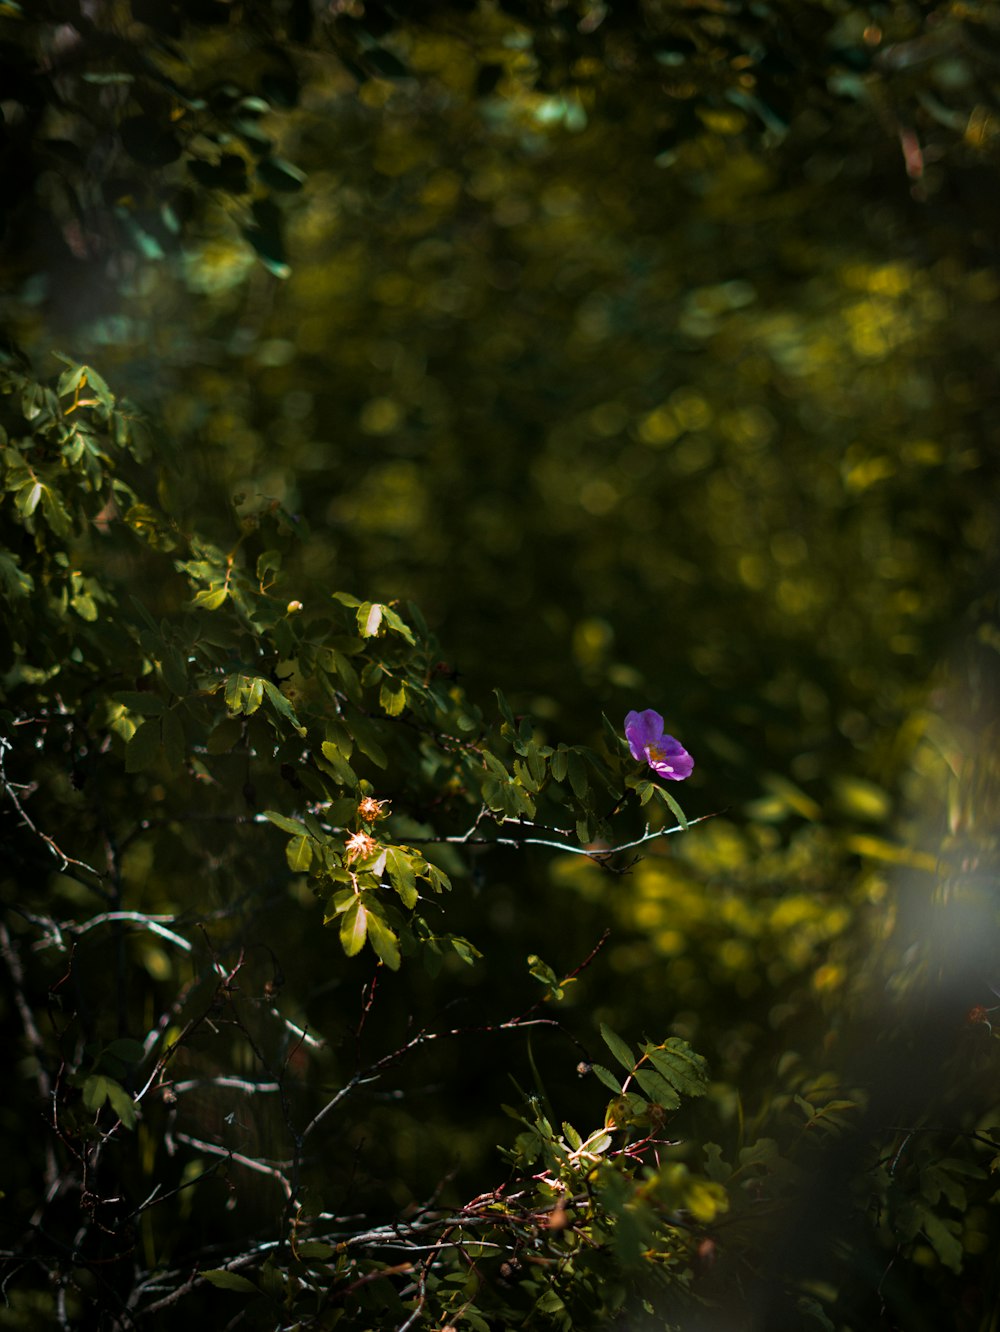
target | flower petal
x=642, y=729
x=668, y=758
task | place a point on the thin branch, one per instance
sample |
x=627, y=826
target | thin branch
x=357, y=1081
x=249, y=1162
x=155, y=924
x=601, y=854
x=240, y=1084
x=11, y=788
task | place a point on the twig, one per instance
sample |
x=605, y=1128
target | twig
x=603, y=853
x=10, y=787
x=152, y=923
x=249, y=1162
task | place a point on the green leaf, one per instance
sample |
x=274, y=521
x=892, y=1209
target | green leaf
x=100, y=387
x=680, y=1065
x=354, y=927
x=437, y=878
x=95, y=1091
x=382, y=939
x=224, y=736
x=235, y=687
x=717, y=1170
x=283, y=822
x=657, y=1088
x=55, y=513
x=121, y=1103
x=85, y=606
x=396, y=622
x=342, y=770
x=268, y=562
x=143, y=747
x=282, y=706
x=14, y=582
x=402, y=876
x=577, y=773
x=503, y=707
x=230, y=1281
x=544, y=973
x=392, y=697
x=173, y=669
x=210, y=598
x=571, y=1136
x=945, y=1243
x=348, y=677
x=675, y=809
x=365, y=737
x=299, y=854
x=28, y=497
x=70, y=380
x=618, y=1048
x=615, y=739
x=174, y=743
x=369, y=619
x=465, y=950
x=607, y=1077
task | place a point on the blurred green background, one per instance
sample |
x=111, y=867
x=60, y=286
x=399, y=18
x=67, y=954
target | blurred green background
x=654, y=355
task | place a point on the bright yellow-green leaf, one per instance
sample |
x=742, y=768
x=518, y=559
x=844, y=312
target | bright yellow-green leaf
x=369, y=619
x=392, y=697
x=705, y=1200
x=354, y=928
x=210, y=598
x=299, y=854
x=402, y=875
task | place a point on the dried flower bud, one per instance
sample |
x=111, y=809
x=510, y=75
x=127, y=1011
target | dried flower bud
x=359, y=846
x=371, y=809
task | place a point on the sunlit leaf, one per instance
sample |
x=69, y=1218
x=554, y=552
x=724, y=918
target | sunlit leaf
x=298, y=853
x=210, y=598
x=369, y=619
x=402, y=876
x=384, y=941
x=354, y=928
x=618, y=1048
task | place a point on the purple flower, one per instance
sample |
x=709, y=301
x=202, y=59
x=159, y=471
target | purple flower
x=665, y=755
